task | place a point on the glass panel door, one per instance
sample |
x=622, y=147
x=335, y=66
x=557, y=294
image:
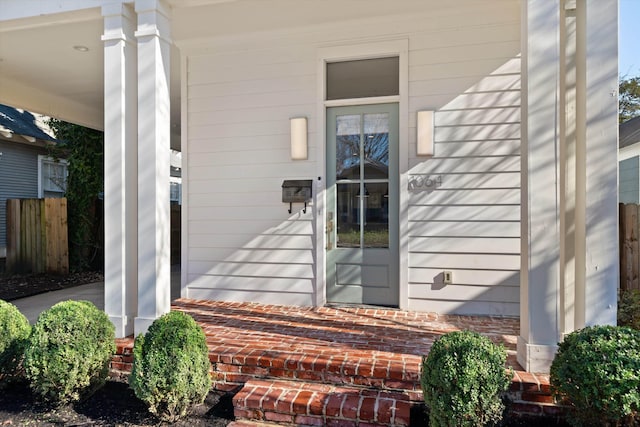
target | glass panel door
x=362, y=182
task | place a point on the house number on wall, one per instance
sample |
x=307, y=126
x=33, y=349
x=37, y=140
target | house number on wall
x=424, y=183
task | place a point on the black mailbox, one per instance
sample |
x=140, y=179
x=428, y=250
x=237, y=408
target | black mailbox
x=296, y=191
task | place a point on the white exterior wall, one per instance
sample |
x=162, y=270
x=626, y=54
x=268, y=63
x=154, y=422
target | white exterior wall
x=469, y=224
x=242, y=243
x=238, y=95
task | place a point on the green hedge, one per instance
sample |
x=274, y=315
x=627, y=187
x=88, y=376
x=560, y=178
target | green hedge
x=13, y=342
x=597, y=370
x=463, y=379
x=171, y=366
x=69, y=352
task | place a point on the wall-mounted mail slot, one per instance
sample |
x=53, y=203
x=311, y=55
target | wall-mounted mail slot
x=297, y=191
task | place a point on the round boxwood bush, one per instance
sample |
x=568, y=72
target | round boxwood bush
x=69, y=352
x=13, y=341
x=597, y=371
x=171, y=366
x=463, y=379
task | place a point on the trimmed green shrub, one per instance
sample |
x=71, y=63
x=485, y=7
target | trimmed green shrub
x=13, y=342
x=463, y=378
x=69, y=352
x=597, y=370
x=171, y=366
x=629, y=309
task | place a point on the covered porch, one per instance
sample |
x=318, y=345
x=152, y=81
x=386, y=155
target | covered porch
x=559, y=109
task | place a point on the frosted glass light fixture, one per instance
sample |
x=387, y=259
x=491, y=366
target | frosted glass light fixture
x=425, y=133
x=298, y=138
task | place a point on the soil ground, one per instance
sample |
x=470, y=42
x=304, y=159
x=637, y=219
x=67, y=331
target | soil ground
x=116, y=405
x=113, y=405
x=17, y=286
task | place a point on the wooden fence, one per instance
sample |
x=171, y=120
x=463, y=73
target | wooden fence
x=629, y=247
x=37, y=239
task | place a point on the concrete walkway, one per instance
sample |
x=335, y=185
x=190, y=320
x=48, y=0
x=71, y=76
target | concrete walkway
x=32, y=306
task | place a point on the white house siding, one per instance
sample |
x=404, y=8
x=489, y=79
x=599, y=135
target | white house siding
x=629, y=180
x=241, y=242
x=468, y=221
x=629, y=174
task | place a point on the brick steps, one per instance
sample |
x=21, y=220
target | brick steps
x=353, y=351
x=530, y=395
x=390, y=372
x=314, y=404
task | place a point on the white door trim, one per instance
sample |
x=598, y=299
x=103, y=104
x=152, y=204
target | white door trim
x=400, y=48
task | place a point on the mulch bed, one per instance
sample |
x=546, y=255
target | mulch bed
x=17, y=286
x=113, y=405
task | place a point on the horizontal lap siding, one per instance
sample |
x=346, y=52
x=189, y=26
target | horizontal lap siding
x=18, y=178
x=469, y=223
x=242, y=243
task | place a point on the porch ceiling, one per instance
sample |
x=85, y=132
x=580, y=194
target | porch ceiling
x=41, y=71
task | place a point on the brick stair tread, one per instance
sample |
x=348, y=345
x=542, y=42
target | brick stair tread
x=388, y=372
x=301, y=403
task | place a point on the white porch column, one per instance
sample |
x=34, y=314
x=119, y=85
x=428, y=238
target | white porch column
x=154, y=281
x=599, y=302
x=540, y=210
x=569, y=163
x=120, y=167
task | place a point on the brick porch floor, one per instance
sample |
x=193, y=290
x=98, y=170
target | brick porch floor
x=365, y=348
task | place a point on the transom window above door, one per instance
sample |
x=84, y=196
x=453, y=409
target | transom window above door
x=363, y=78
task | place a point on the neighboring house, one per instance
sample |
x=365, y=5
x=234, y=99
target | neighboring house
x=495, y=123
x=629, y=161
x=26, y=169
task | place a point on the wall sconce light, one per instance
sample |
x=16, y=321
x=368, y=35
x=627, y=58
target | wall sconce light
x=299, y=138
x=425, y=133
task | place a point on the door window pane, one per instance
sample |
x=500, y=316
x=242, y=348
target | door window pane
x=348, y=147
x=348, y=213
x=376, y=225
x=363, y=78
x=376, y=146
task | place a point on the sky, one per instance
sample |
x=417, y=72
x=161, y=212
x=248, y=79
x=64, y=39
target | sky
x=629, y=38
